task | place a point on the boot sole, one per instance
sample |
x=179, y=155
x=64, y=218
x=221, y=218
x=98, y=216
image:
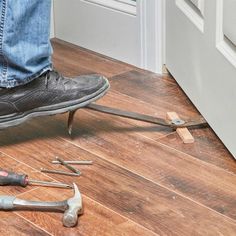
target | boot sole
x=17, y=119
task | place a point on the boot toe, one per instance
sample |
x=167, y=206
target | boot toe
x=91, y=83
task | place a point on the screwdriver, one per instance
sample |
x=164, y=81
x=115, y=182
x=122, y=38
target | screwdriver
x=8, y=178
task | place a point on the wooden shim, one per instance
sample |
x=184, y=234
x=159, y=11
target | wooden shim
x=184, y=133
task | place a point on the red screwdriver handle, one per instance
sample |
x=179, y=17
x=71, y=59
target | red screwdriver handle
x=13, y=179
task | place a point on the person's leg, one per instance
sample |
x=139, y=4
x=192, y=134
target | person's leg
x=28, y=85
x=25, y=49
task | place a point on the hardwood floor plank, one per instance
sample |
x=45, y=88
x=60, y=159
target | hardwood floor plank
x=121, y=101
x=143, y=181
x=206, y=184
x=138, y=199
x=11, y=224
x=165, y=96
x=70, y=70
x=147, y=86
x=75, y=56
x=207, y=147
x=155, y=90
x=209, y=185
x=96, y=220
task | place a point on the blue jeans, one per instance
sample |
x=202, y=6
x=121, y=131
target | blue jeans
x=25, y=49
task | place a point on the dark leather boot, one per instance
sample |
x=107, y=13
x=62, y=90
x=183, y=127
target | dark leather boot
x=49, y=94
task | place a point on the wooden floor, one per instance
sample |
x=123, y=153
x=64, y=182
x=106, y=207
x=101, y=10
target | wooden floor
x=144, y=181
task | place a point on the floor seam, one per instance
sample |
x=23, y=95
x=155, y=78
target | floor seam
x=158, y=184
x=117, y=213
x=176, y=150
x=92, y=53
x=110, y=74
x=120, y=73
x=26, y=192
x=37, y=226
x=23, y=163
x=34, y=189
x=194, y=158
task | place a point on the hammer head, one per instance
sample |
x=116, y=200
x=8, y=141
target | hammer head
x=74, y=209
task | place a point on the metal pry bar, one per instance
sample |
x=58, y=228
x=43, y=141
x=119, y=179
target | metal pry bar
x=201, y=122
x=197, y=123
x=70, y=121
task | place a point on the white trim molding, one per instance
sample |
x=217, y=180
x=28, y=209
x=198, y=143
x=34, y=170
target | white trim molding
x=192, y=12
x=226, y=47
x=125, y=6
x=152, y=32
x=199, y=4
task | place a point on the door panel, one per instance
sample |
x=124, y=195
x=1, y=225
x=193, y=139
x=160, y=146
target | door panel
x=195, y=2
x=229, y=19
x=192, y=12
x=225, y=30
x=204, y=63
x=199, y=4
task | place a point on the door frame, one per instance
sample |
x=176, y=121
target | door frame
x=152, y=29
x=152, y=32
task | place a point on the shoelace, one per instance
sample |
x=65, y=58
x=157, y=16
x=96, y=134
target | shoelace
x=48, y=75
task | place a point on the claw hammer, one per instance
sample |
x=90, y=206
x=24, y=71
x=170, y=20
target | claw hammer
x=71, y=207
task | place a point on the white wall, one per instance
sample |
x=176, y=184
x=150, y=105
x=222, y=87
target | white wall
x=133, y=37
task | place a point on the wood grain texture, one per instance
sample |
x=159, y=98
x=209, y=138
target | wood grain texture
x=122, y=101
x=175, y=170
x=144, y=181
x=207, y=147
x=146, y=202
x=11, y=224
x=96, y=220
x=10, y=164
x=158, y=91
x=165, y=94
x=90, y=61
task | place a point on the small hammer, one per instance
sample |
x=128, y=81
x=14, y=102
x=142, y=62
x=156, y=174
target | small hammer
x=71, y=207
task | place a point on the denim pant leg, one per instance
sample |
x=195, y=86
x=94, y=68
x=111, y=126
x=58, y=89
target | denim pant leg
x=25, y=49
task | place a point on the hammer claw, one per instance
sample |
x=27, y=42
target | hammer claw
x=75, y=208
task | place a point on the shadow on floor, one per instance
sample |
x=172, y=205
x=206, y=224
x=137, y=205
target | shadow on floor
x=56, y=127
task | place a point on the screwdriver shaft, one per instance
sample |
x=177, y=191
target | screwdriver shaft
x=49, y=184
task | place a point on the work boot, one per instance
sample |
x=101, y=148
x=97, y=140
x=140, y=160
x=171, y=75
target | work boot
x=49, y=94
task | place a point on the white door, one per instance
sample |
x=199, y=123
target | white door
x=201, y=55
x=127, y=30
